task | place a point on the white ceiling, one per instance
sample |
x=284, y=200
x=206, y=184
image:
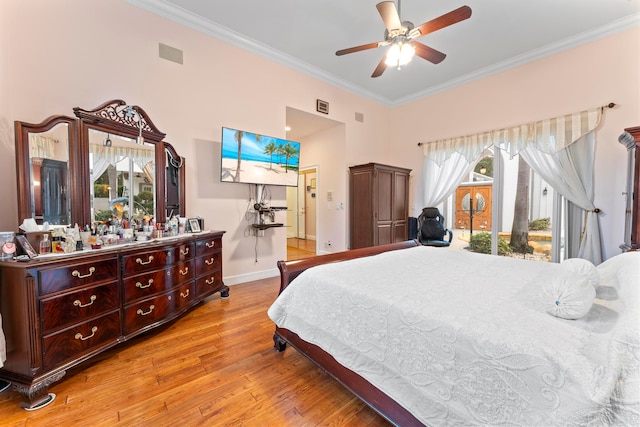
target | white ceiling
x=305, y=35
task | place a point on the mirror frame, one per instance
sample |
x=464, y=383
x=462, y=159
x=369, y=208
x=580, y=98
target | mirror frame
x=109, y=117
x=23, y=165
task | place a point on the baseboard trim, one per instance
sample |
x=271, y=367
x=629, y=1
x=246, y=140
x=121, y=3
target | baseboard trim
x=250, y=277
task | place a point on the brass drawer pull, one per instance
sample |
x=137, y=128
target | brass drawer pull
x=80, y=337
x=77, y=274
x=210, y=261
x=80, y=304
x=210, y=280
x=185, y=271
x=211, y=244
x=139, y=261
x=184, y=251
x=141, y=286
x=184, y=295
x=143, y=313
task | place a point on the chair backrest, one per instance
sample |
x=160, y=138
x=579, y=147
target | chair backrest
x=431, y=224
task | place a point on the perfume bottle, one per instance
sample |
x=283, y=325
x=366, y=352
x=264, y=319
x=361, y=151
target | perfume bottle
x=45, y=244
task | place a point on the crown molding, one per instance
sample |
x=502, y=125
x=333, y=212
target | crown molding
x=193, y=21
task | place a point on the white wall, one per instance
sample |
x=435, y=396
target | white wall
x=83, y=53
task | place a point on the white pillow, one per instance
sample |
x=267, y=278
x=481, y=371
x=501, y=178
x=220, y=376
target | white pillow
x=584, y=268
x=568, y=295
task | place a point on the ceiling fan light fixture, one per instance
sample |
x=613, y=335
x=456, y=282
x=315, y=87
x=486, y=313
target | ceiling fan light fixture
x=399, y=54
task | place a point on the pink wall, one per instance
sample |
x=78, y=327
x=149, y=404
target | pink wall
x=81, y=53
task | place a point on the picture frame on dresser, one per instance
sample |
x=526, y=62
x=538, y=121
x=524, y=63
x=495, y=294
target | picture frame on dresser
x=25, y=246
x=194, y=225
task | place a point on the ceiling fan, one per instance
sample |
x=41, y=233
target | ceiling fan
x=402, y=35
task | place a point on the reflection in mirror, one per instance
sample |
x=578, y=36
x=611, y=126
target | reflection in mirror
x=49, y=172
x=122, y=179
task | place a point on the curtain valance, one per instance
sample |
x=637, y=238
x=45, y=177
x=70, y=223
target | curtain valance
x=549, y=136
x=140, y=155
x=42, y=146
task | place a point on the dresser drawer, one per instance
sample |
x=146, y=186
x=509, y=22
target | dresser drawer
x=74, y=307
x=158, y=308
x=71, y=276
x=72, y=343
x=153, y=282
x=209, y=283
x=209, y=262
x=207, y=246
x=145, y=261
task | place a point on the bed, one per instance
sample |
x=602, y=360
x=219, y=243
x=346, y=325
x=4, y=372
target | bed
x=429, y=336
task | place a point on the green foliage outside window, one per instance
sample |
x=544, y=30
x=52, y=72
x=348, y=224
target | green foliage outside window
x=540, y=224
x=481, y=242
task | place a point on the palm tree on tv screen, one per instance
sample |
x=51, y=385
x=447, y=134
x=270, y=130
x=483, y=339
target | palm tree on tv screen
x=238, y=137
x=270, y=149
x=288, y=151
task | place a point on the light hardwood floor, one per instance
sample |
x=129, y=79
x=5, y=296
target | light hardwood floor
x=215, y=366
x=300, y=248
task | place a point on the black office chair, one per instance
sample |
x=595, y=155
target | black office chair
x=431, y=229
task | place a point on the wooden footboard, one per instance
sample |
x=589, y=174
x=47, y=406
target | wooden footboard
x=359, y=386
x=289, y=270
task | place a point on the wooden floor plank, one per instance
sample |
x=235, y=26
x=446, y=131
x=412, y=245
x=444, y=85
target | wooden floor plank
x=214, y=366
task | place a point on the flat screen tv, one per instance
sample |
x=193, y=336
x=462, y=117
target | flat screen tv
x=258, y=159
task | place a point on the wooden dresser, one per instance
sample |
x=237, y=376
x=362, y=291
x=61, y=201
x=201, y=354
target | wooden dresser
x=59, y=311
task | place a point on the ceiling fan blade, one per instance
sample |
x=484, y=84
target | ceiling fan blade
x=428, y=53
x=389, y=15
x=358, y=48
x=445, y=20
x=380, y=68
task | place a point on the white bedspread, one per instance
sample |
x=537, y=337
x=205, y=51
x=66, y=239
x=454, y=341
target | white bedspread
x=463, y=339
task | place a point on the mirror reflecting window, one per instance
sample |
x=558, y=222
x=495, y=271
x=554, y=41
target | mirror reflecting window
x=122, y=177
x=110, y=160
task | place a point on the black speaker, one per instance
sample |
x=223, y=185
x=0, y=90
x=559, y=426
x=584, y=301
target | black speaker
x=413, y=227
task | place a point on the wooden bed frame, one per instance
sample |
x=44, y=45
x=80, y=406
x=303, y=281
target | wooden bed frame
x=376, y=399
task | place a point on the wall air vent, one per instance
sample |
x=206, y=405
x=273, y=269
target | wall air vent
x=322, y=106
x=170, y=53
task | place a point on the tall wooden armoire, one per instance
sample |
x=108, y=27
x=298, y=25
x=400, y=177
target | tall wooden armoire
x=379, y=204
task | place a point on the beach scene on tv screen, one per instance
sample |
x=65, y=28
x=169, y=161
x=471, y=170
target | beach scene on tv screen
x=258, y=159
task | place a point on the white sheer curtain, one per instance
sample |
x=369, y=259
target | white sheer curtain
x=447, y=162
x=41, y=146
x=570, y=172
x=103, y=156
x=545, y=145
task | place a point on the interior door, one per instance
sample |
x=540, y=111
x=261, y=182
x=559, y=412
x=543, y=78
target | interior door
x=301, y=206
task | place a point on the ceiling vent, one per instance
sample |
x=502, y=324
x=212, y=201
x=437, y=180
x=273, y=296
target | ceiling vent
x=322, y=106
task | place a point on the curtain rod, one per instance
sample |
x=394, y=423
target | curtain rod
x=609, y=105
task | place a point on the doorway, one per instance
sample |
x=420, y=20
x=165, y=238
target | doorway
x=301, y=215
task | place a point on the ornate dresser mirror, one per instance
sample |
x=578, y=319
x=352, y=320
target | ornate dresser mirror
x=110, y=161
